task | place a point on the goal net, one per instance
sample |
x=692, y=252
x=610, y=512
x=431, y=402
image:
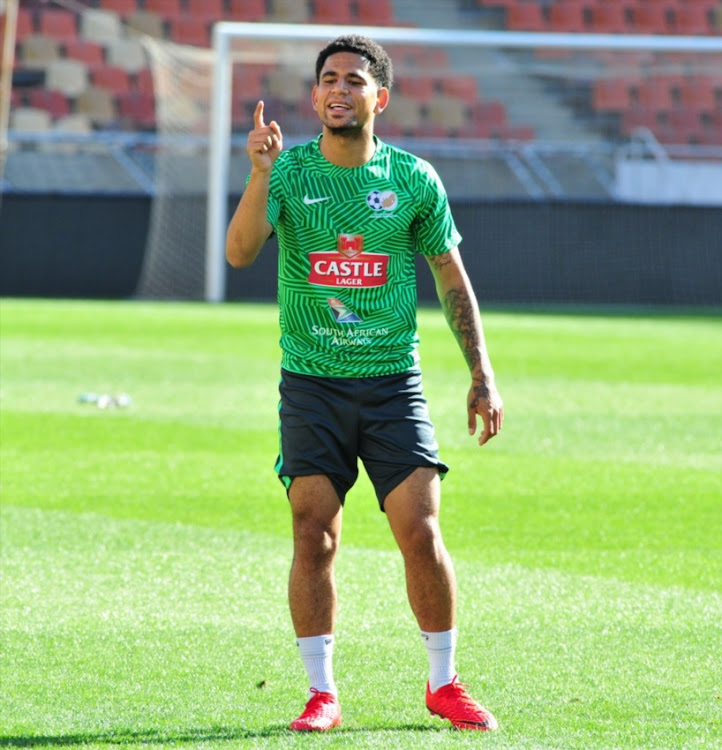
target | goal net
x=502, y=116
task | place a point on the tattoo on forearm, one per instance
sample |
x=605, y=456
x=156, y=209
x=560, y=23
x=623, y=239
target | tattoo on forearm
x=464, y=322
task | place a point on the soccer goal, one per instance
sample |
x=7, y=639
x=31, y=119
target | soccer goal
x=502, y=115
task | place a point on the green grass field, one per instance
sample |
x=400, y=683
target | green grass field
x=145, y=550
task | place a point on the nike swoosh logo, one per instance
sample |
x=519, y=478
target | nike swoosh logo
x=308, y=201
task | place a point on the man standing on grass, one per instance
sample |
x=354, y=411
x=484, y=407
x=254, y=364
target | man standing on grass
x=351, y=212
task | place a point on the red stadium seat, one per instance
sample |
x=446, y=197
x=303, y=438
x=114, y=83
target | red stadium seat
x=249, y=81
x=144, y=82
x=639, y=117
x=610, y=95
x=567, y=16
x=122, y=7
x=91, y=53
x=526, y=17
x=137, y=110
x=693, y=19
x=654, y=94
x=712, y=133
x=461, y=86
x=421, y=88
x=248, y=10
x=190, y=30
x=333, y=11
x=166, y=8
x=684, y=121
x=111, y=78
x=490, y=114
x=208, y=10
x=651, y=17
x=59, y=24
x=25, y=24
x=375, y=12
x=610, y=18
x=700, y=93
x=53, y=102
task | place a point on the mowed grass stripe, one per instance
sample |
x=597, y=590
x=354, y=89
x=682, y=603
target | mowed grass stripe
x=148, y=548
x=174, y=627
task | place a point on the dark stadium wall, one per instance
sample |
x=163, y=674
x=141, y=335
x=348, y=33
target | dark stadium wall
x=84, y=246
x=516, y=252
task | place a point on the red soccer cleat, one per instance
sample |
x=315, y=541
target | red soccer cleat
x=452, y=702
x=322, y=713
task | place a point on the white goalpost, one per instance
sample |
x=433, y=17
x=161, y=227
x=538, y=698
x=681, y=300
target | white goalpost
x=225, y=32
x=199, y=118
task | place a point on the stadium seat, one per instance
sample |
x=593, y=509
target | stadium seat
x=209, y=10
x=147, y=22
x=112, y=78
x=126, y=53
x=100, y=26
x=332, y=11
x=449, y=113
x=68, y=76
x=91, y=53
x=249, y=81
x=610, y=95
x=144, y=81
x=610, y=18
x=489, y=115
x=53, y=102
x=73, y=123
x=685, y=124
x=57, y=23
x=288, y=11
x=37, y=51
x=25, y=24
x=402, y=116
x=189, y=30
x=693, y=19
x=375, y=12
x=654, y=94
x=712, y=132
x=699, y=94
x=286, y=85
x=167, y=9
x=17, y=99
x=122, y=7
x=137, y=110
x=247, y=10
x=568, y=17
x=30, y=120
x=651, y=17
x=526, y=16
x=639, y=117
x=99, y=105
x=461, y=86
x=517, y=133
x=421, y=88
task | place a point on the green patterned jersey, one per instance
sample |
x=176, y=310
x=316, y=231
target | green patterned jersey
x=346, y=271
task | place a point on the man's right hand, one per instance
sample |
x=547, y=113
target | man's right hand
x=265, y=142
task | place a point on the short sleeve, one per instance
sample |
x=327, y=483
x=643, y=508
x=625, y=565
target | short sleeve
x=434, y=229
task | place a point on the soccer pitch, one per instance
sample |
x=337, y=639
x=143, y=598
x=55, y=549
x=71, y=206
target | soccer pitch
x=145, y=550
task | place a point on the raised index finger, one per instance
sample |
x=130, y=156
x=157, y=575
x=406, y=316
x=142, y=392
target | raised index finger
x=258, y=115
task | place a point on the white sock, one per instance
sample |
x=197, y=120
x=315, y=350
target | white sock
x=317, y=656
x=441, y=648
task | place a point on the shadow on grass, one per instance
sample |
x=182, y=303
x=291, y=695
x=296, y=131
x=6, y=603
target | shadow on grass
x=219, y=734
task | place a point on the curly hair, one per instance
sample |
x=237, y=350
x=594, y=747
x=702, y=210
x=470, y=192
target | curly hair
x=379, y=61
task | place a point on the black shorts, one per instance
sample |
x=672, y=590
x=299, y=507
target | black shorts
x=326, y=424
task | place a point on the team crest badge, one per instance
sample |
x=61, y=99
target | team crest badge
x=386, y=200
x=350, y=245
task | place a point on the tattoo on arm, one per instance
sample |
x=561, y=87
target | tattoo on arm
x=464, y=322
x=462, y=315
